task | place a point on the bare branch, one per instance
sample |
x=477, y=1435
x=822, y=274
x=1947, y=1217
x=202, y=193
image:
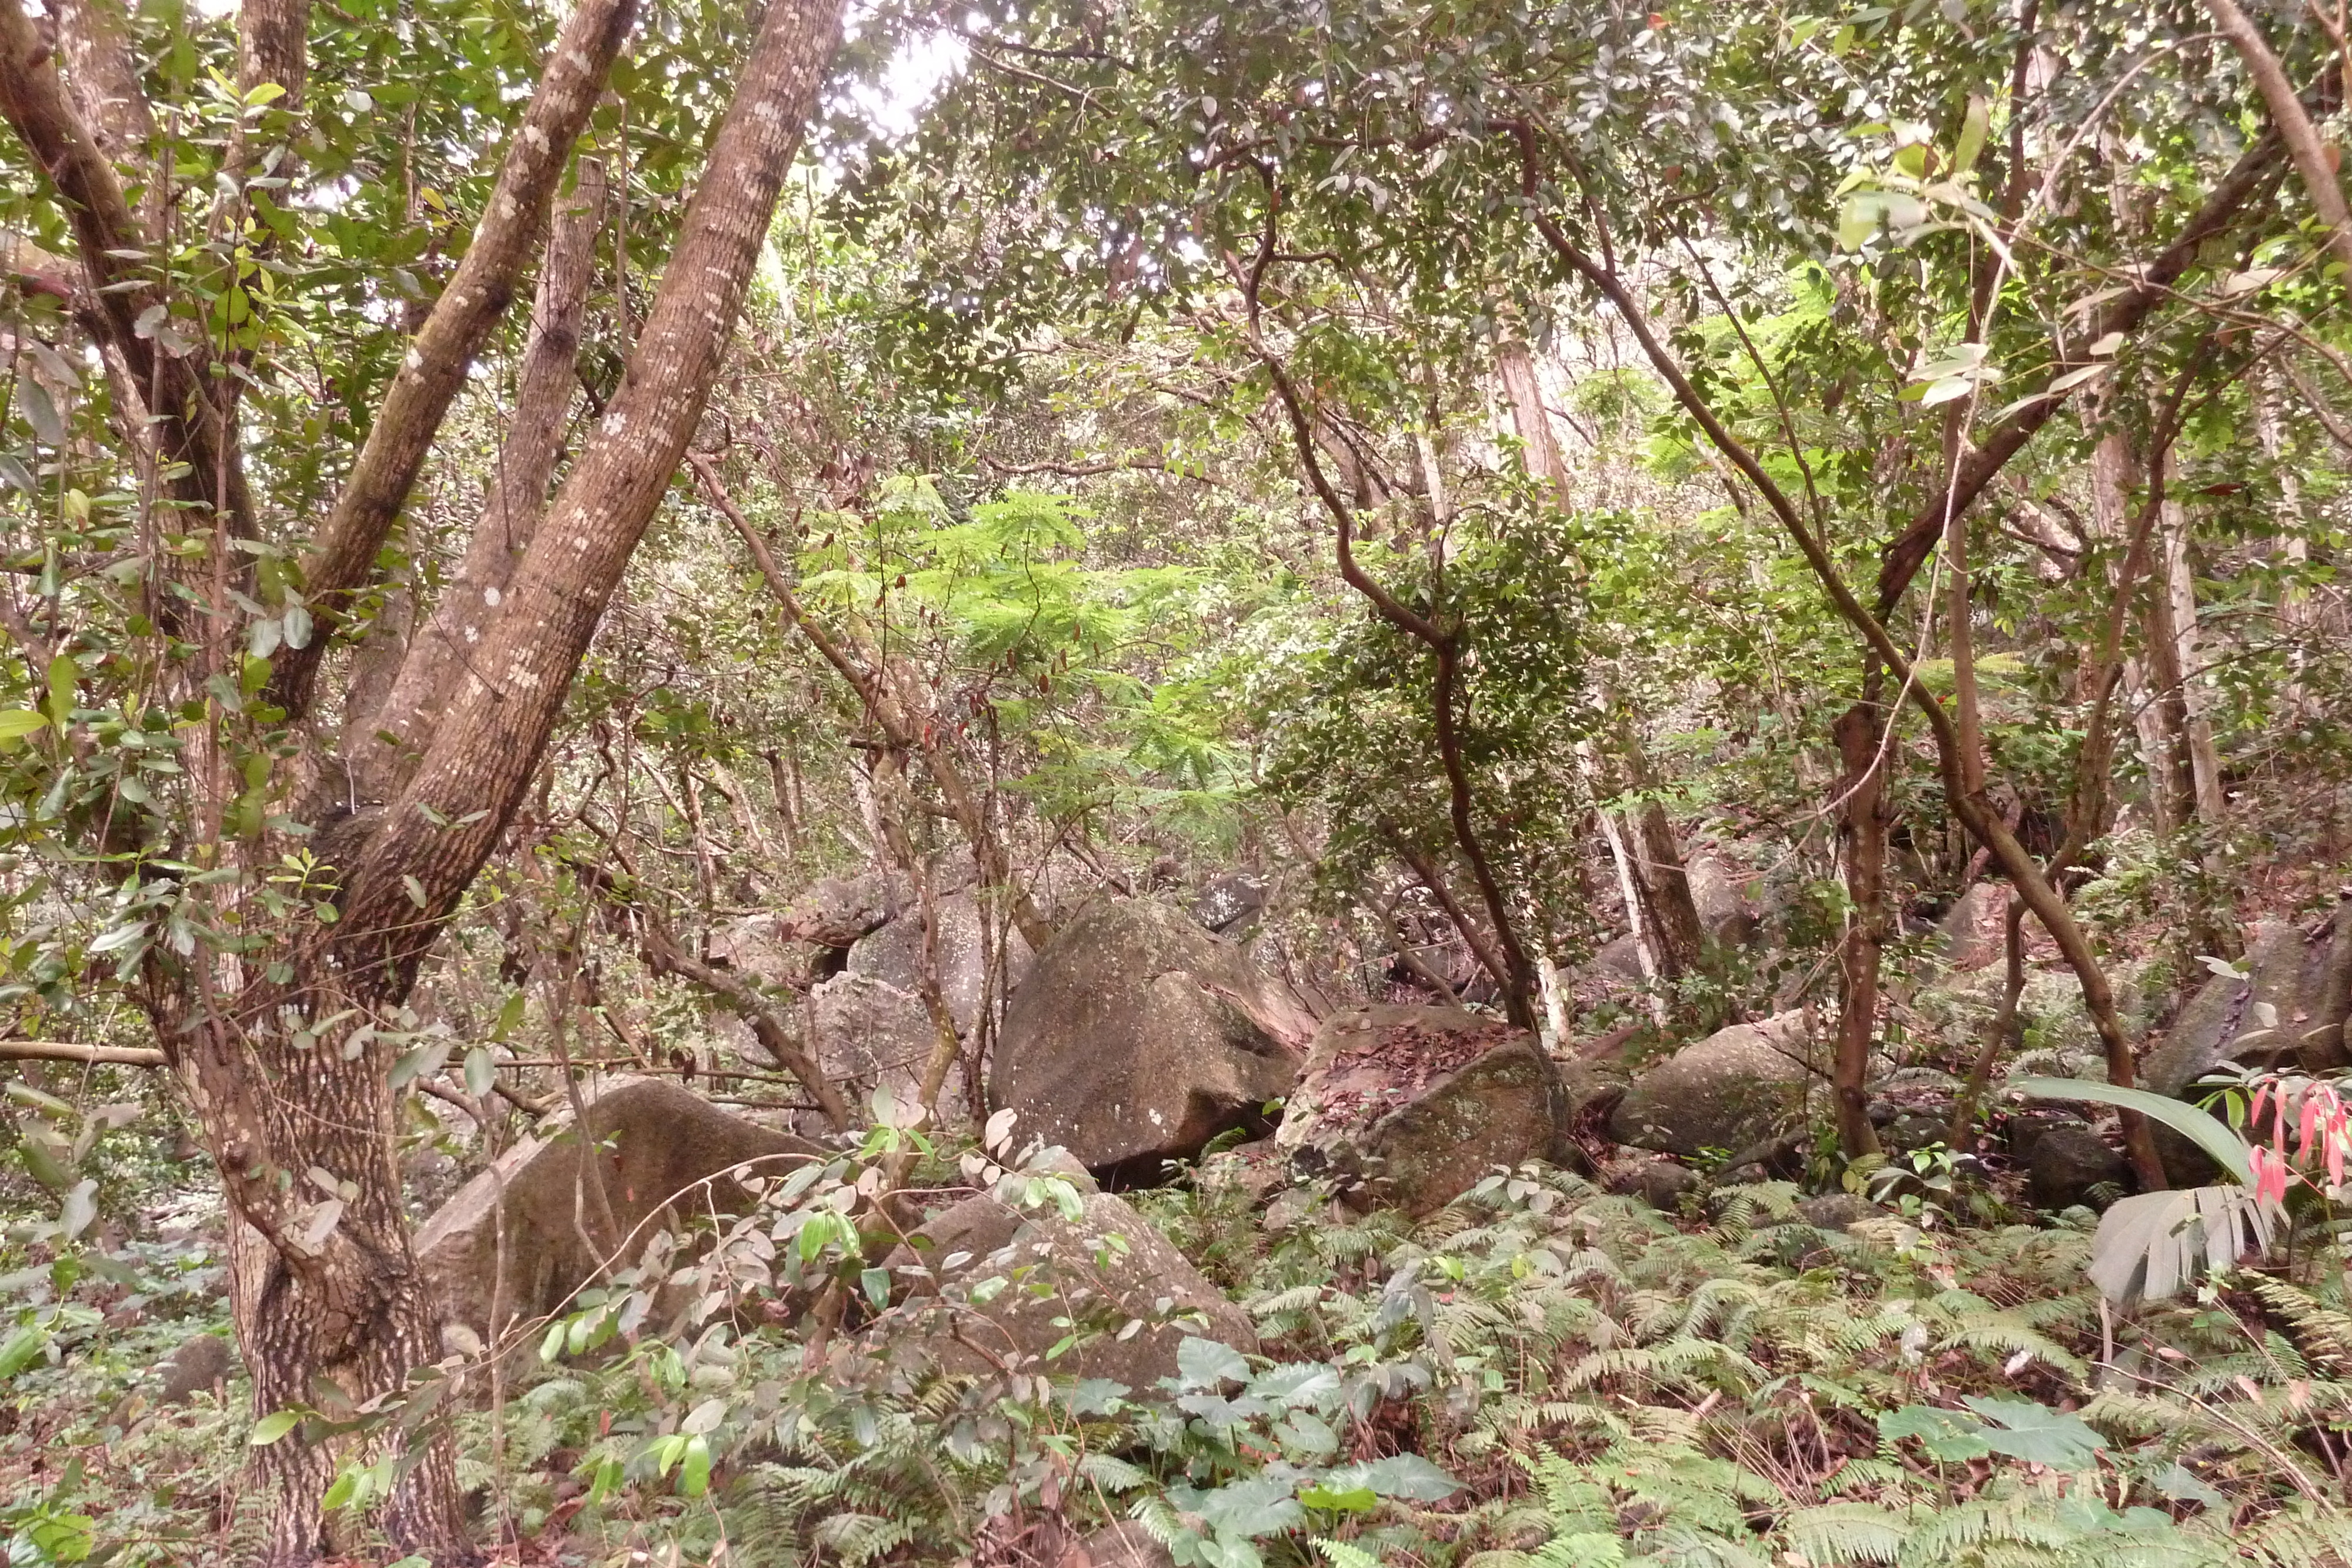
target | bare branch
x=69, y=1050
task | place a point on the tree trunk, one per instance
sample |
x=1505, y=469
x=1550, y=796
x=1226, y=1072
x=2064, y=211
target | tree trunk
x=399, y=721
x=1665, y=880
x=2181, y=588
x=1862, y=835
x=290, y=1078
x=2160, y=662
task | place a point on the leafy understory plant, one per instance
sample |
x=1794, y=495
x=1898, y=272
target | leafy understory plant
x=2150, y=1245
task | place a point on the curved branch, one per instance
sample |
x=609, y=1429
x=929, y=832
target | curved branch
x=1975, y=813
x=1444, y=649
x=1909, y=549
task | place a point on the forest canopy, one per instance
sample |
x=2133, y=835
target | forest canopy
x=1145, y=783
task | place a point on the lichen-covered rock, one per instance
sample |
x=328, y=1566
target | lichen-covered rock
x=1137, y=1037
x=893, y=955
x=838, y=910
x=1739, y=1087
x=1413, y=1105
x=1721, y=899
x=1117, y=1546
x=869, y=1033
x=202, y=1361
x=1975, y=930
x=2261, y=1017
x=649, y=1143
x=1230, y=901
x=1096, y=1273
x=2067, y=1163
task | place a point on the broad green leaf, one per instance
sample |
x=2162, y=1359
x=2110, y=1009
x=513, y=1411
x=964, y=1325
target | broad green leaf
x=2227, y=1149
x=18, y=722
x=1947, y=1435
x=1974, y=124
x=273, y=1426
x=21, y=1349
x=694, y=1472
x=1259, y=1506
x=1207, y=1363
x=2037, y=1434
x=1399, y=1475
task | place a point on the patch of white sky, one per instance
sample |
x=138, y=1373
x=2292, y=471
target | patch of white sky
x=923, y=66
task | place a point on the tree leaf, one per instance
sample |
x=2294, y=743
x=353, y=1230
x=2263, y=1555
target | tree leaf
x=273, y=1426
x=1973, y=127
x=2227, y=1149
x=694, y=1472
x=1261, y=1505
x=1208, y=1363
x=1399, y=1475
x=21, y=1349
x=18, y=722
x=1947, y=1435
x=81, y=1206
x=2037, y=1434
x=40, y=413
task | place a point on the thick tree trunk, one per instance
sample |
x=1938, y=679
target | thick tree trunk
x=341, y=562
x=290, y=1079
x=1665, y=880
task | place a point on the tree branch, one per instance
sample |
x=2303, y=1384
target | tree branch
x=486, y=749
x=1974, y=813
x=1909, y=549
x=341, y=562
x=2292, y=122
x=869, y=678
x=665, y=954
x=68, y=1051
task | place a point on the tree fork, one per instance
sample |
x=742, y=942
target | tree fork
x=353, y=1307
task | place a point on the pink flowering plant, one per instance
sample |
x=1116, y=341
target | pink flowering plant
x=2299, y=1133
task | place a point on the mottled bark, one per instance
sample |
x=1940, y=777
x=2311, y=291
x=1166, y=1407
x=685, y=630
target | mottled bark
x=340, y=563
x=295, y=1101
x=394, y=737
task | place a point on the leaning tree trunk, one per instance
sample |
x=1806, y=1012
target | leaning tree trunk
x=291, y=1075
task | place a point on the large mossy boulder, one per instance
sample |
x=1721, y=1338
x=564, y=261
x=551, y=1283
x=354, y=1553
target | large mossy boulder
x=2262, y=1017
x=1137, y=1037
x=1739, y=1087
x=1412, y=1106
x=647, y=1144
x=1093, y=1276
